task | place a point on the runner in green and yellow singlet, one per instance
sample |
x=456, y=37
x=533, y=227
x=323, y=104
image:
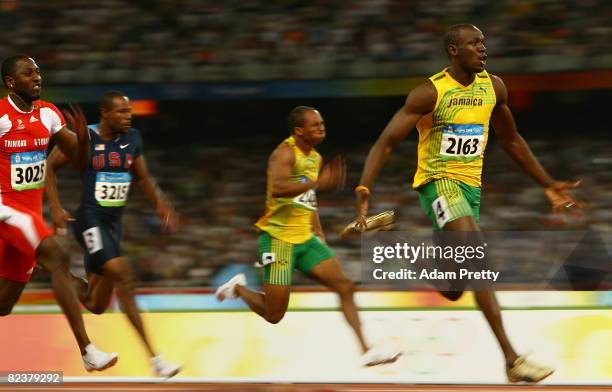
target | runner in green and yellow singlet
x=452, y=111
x=290, y=231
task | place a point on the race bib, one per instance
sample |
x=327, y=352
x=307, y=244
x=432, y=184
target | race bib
x=307, y=200
x=112, y=188
x=441, y=210
x=266, y=258
x=462, y=140
x=92, y=239
x=28, y=170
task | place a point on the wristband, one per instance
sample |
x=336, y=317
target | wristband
x=362, y=188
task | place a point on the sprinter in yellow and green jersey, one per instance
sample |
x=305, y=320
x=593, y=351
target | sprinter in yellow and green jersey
x=452, y=111
x=290, y=231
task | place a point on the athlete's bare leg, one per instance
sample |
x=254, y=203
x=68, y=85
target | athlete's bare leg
x=96, y=293
x=271, y=304
x=486, y=299
x=10, y=291
x=117, y=275
x=330, y=274
x=52, y=258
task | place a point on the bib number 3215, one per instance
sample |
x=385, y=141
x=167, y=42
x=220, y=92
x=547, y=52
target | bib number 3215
x=112, y=188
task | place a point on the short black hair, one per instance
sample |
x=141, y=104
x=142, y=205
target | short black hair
x=450, y=37
x=9, y=66
x=296, y=116
x=106, y=101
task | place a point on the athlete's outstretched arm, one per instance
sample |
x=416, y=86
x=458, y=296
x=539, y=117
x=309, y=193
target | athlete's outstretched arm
x=419, y=102
x=149, y=187
x=56, y=160
x=518, y=149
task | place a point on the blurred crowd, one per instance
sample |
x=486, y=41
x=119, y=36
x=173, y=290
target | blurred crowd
x=80, y=41
x=219, y=192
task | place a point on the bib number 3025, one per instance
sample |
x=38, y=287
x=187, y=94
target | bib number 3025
x=462, y=140
x=28, y=170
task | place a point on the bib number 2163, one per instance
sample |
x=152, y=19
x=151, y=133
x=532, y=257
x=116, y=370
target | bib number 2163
x=462, y=140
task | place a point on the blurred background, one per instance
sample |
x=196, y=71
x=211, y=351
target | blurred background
x=110, y=41
x=213, y=81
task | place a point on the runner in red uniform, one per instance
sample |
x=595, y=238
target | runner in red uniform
x=27, y=124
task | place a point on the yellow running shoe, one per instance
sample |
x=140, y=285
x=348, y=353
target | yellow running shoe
x=524, y=371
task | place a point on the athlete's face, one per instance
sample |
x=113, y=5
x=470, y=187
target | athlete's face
x=119, y=116
x=470, y=49
x=26, y=81
x=313, y=130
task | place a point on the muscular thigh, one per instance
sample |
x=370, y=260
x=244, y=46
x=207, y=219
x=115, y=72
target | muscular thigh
x=21, y=232
x=329, y=273
x=278, y=257
x=313, y=253
x=15, y=265
x=446, y=200
x=22, y=227
x=462, y=233
x=10, y=291
x=100, y=289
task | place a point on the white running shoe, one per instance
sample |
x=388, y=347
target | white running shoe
x=228, y=289
x=95, y=359
x=164, y=369
x=379, y=356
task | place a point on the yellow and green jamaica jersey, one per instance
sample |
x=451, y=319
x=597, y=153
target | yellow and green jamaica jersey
x=453, y=137
x=290, y=218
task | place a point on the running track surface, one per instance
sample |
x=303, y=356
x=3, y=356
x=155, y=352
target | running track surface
x=260, y=387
